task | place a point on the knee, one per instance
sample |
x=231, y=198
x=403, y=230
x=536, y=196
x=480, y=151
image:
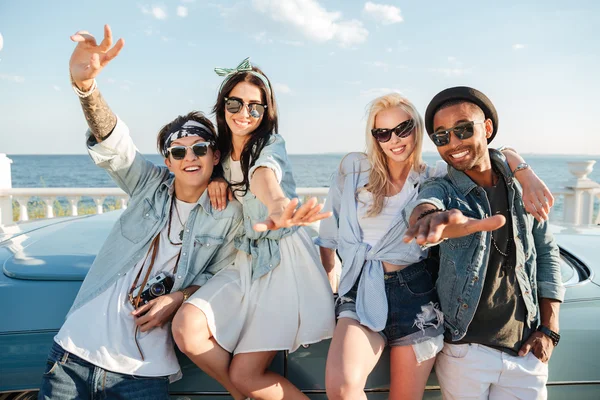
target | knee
x=188, y=329
x=242, y=375
x=340, y=387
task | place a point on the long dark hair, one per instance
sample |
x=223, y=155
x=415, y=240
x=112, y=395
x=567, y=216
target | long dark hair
x=259, y=137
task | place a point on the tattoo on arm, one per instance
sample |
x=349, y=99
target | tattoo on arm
x=99, y=116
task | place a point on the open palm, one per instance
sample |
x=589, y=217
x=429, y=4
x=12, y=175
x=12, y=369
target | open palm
x=89, y=58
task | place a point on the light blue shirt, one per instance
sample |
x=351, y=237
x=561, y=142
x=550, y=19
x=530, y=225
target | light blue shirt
x=360, y=261
x=208, y=240
x=264, y=246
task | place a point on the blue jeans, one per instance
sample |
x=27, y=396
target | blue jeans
x=413, y=309
x=69, y=377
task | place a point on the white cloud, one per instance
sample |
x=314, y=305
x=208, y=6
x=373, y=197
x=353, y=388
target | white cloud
x=314, y=21
x=376, y=92
x=164, y=39
x=282, y=88
x=182, y=11
x=262, y=38
x=1, y=42
x=111, y=80
x=12, y=78
x=352, y=82
x=156, y=11
x=518, y=46
x=383, y=13
x=389, y=49
x=451, y=59
x=56, y=87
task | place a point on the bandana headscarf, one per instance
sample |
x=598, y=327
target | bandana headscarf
x=190, y=128
x=244, y=66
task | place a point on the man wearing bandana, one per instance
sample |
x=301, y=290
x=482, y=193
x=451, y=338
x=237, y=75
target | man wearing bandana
x=116, y=340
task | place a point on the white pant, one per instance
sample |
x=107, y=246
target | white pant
x=473, y=371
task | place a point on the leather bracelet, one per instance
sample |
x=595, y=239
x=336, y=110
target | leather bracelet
x=555, y=337
x=426, y=213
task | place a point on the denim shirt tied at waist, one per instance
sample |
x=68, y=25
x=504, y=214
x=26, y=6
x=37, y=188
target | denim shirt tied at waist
x=208, y=240
x=264, y=246
x=360, y=261
x=463, y=261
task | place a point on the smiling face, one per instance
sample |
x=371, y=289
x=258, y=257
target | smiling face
x=396, y=149
x=241, y=123
x=466, y=154
x=192, y=172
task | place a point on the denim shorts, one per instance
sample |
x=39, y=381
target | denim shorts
x=67, y=376
x=414, y=315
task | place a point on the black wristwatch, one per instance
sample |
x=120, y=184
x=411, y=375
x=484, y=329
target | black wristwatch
x=555, y=337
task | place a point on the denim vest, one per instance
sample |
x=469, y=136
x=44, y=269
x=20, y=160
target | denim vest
x=264, y=246
x=463, y=261
x=208, y=240
x=360, y=261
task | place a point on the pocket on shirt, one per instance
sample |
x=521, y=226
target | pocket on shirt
x=208, y=241
x=137, y=222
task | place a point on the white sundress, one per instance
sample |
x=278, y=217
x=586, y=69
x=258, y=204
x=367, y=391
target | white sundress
x=289, y=306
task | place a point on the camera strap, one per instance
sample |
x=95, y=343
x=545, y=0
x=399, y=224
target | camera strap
x=135, y=302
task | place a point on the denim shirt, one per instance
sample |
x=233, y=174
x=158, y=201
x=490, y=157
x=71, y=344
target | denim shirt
x=463, y=261
x=208, y=240
x=360, y=261
x=264, y=246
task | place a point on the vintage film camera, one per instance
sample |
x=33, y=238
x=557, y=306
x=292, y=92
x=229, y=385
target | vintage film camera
x=160, y=285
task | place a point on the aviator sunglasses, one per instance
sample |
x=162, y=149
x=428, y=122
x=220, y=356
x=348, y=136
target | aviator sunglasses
x=462, y=131
x=403, y=130
x=234, y=106
x=199, y=149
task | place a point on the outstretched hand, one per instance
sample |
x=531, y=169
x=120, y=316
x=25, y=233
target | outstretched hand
x=288, y=216
x=89, y=58
x=449, y=224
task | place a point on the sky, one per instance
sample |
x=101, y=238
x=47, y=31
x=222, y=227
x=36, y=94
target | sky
x=537, y=61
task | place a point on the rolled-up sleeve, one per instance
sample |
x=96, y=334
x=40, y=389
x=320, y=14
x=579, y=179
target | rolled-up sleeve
x=431, y=192
x=272, y=156
x=329, y=227
x=549, y=280
x=123, y=162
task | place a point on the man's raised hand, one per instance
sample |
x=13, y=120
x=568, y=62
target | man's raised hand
x=89, y=58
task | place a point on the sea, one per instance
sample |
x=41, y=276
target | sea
x=310, y=170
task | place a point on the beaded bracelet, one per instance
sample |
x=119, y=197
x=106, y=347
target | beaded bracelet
x=83, y=94
x=426, y=213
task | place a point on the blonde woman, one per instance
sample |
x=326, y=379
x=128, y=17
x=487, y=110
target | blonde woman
x=386, y=294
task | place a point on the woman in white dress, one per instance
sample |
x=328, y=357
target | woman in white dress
x=276, y=296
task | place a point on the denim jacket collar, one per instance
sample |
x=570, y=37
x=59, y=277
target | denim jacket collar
x=465, y=184
x=203, y=200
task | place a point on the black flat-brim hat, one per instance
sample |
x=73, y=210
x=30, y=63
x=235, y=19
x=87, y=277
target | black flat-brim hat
x=461, y=93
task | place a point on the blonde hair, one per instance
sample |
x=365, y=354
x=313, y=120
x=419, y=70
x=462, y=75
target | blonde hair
x=379, y=174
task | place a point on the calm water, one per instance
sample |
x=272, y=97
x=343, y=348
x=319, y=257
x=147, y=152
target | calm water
x=309, y=170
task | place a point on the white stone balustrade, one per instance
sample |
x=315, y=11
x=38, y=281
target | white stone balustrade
x=579, y=196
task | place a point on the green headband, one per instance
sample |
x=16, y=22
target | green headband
x=244, y=66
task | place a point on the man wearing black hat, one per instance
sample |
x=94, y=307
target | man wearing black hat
x=498, y=264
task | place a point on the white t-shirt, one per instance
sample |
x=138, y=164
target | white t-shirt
x=373, y=228
x=102, y=330
x=236, y=177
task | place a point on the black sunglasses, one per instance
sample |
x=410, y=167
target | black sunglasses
x=178, y=152
x=403, y=130
x=462, y=131
x=234, y=105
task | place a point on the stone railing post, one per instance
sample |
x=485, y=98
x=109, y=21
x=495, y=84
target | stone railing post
x=6, y=213
x=579, y=204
